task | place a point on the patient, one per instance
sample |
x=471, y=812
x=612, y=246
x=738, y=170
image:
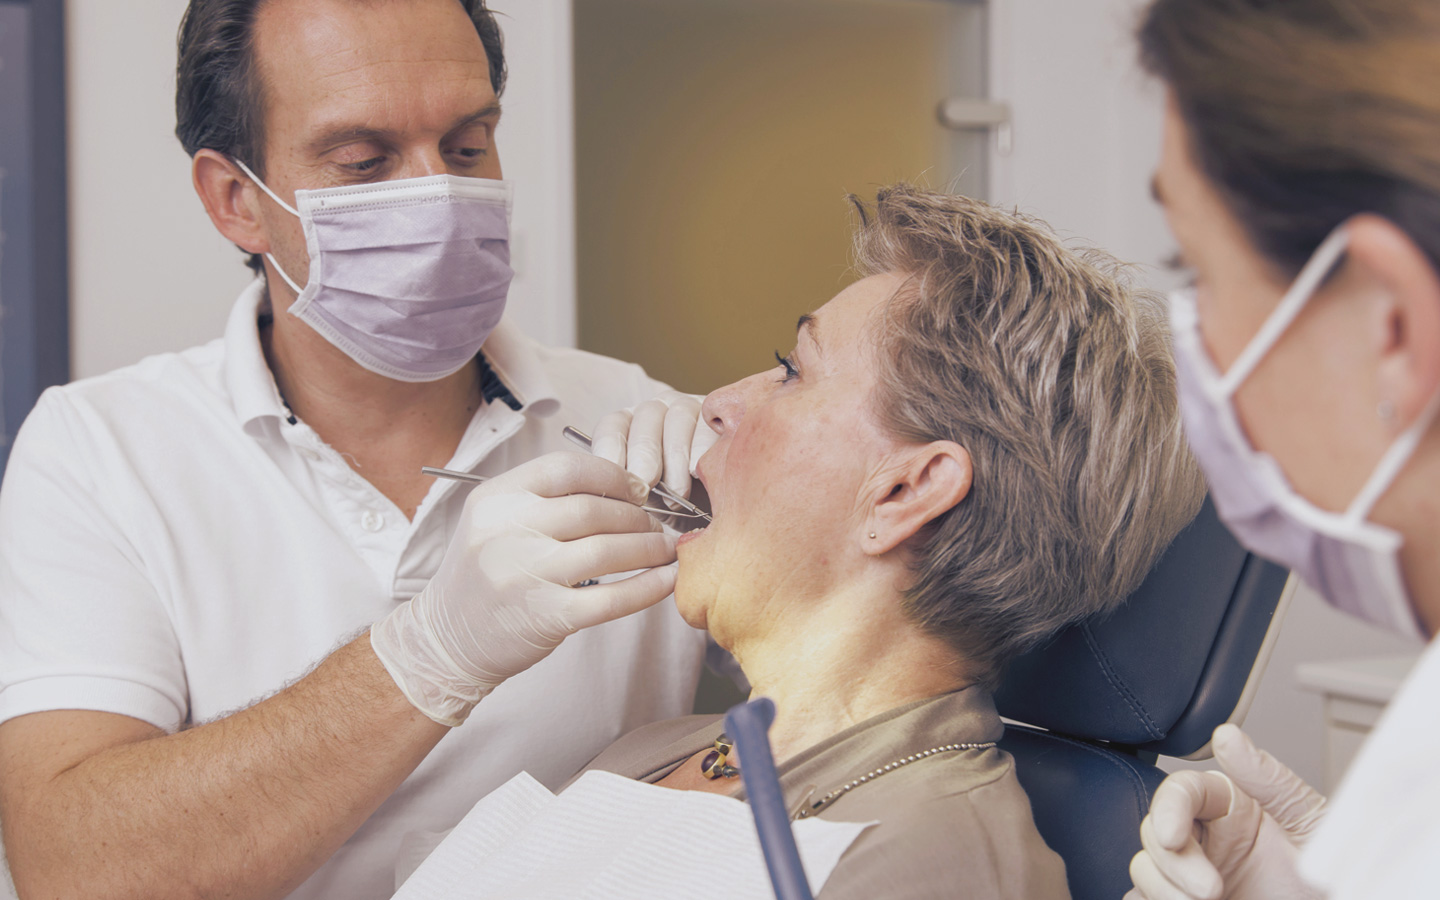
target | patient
x=968, y=449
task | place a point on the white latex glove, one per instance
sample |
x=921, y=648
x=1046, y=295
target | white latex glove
x=659, y=440
x=502, y=598
x=1209, y=836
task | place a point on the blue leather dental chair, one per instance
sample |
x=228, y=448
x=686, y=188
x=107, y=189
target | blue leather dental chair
x=1105, y=697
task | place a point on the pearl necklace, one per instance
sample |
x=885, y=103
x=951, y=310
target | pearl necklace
x=816, y=807
x=714, y=765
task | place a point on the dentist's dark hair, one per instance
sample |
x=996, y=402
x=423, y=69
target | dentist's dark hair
x=219, y=101
x=1304, y=113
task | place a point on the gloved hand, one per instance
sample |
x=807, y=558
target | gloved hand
x=1209, y=836
x=502, y=598
x=659, y=440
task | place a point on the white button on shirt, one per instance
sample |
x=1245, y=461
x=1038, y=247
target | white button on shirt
x=173, y=548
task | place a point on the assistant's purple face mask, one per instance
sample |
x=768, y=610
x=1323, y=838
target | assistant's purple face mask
x=1352, y=562
x=407, y=277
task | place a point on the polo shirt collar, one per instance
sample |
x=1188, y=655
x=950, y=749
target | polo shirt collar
x=515, y=358
x=510, y=353
x=247, y=376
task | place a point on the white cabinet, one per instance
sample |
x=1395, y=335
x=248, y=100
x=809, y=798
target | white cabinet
x=1355, y=692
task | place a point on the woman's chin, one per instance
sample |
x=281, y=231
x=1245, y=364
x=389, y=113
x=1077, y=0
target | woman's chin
x=689, y=596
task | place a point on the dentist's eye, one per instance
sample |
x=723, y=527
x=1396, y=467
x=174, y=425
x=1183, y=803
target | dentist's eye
x=790, y=371
x=365, y=166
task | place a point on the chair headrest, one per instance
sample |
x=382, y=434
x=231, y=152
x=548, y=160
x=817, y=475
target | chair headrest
x=1168, y=666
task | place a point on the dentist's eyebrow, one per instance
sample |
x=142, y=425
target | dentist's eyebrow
x=491, y=111
x=344, y=134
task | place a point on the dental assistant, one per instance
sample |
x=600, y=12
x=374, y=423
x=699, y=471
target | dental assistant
x=194, y=550
x=1301, y=177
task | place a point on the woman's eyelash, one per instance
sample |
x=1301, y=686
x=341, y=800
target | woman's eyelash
x=790, y=370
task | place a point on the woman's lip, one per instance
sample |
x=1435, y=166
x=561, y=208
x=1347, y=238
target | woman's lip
x=688, y=536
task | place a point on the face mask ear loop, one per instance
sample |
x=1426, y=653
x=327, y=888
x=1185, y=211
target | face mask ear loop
x=288, y=280
x=1306, y=283
x=283, y=205
x=264, y=187
x=1392, y=462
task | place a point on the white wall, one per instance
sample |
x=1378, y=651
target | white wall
x=537, y=150
x=1086, y=139
x=148, y=271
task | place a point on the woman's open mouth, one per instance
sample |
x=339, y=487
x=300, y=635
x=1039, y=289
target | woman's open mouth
x=688, y=536
x=697, y=526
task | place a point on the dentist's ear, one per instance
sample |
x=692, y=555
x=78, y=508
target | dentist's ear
x=231, y=200
x=932, y=481
x=1406, y=320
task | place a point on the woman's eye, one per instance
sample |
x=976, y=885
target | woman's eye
x=790, y=370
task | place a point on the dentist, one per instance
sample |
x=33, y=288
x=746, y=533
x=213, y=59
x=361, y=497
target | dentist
x=1301, y=177
x=194, y=550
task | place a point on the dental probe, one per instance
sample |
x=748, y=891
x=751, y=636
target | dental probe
x=481, y=479
x=690, y=510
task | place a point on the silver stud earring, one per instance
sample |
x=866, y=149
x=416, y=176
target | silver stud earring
x=872, y=535
x=1385, y=410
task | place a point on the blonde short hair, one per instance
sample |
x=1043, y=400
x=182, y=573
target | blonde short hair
x=1056, y=376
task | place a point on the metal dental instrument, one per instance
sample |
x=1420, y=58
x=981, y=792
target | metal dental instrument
x=687, y=509
x=481, y=479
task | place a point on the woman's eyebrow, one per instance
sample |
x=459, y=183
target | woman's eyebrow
x=810, y=322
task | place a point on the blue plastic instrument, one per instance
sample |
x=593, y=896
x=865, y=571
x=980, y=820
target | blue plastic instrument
x=748, y=724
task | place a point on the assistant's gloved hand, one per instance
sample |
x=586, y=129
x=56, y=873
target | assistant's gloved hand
x=659, y=440
x=1209, y=836
x=502, y=598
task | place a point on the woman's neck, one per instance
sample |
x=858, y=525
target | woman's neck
x=845, y=665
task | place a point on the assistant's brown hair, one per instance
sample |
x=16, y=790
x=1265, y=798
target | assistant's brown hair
x=1304, y=113
x=220, y=104
x=1055, y=375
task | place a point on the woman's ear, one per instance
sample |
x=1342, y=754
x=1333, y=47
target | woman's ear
x=230, y=199
x=1406, y=330
x=933, y=479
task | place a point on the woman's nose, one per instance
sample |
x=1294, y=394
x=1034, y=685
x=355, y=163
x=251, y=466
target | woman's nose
x=724, y=408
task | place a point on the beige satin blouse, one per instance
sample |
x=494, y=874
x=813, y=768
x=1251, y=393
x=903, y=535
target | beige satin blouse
x=955, y=824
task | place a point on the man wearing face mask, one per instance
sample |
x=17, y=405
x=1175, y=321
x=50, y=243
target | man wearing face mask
x=218, y=530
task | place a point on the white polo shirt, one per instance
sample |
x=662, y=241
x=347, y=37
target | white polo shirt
x=173, y=547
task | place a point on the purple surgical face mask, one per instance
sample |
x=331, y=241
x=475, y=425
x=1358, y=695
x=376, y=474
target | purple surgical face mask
x=1352, y=563
x=407, y=277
